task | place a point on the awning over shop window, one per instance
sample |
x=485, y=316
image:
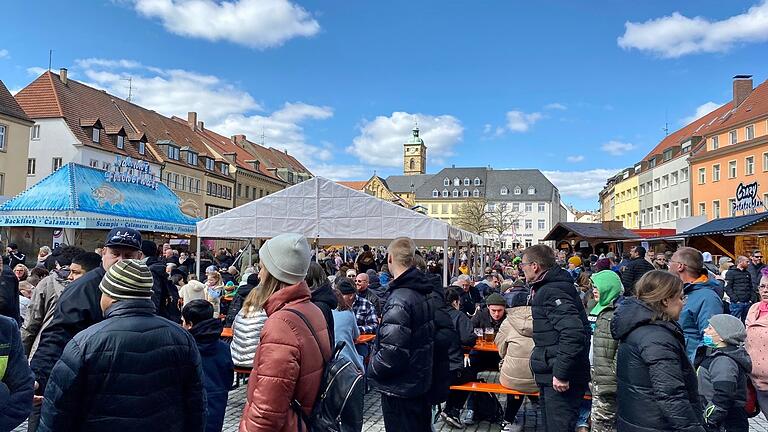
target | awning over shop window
x=77, y=196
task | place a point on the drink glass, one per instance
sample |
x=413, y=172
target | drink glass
x=479, y=335
x=489, y=335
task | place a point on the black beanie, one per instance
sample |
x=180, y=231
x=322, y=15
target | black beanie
x=253, y=279
x=345, y=286
x=149, y=248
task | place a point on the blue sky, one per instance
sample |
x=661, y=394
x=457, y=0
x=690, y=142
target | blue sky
x=576, y=89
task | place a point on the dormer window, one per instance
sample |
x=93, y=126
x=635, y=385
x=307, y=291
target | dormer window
x=96, y=134
x=504, y=191
x=209, y=164
x=466, y=181
x=192, y=158
x=456, y=182
x=225, y=169
x=475, y=193
x=518, y=190
x=173, y=152
x=120, y=142
x=142, y=147
x=455, y=193
x=435, y=193
x=477, y=181
x=465, y=192
x=445, y=193
x=446, y=182
x=531, y=190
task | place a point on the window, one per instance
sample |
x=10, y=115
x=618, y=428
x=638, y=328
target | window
x=96, y=134
x=504, y=191
x=433, y=208
x=445, y=193
x=644, y=217
x=209, y=164
x=239, y=190
x=666, y=212
x=749, y=165
x=455, y=193
x=475, y=193
x=247, y=191
x=732, y=137
x=716, y=209
x=765, y=161
x=173, y=152
x=683, y=175
x=541, y=207
x=57, y=162
x=732, y=169
x=686, y=208
x=456, y=182
x=528, y=207
x=290, y=177
x=531, y=190
x=225, y=171
x=105, y=166
x=731, y=203
x=715, y=142
x=541, y=224
x=491, y=207
x=412, y=164
x=716, y=172
x=515, y=207
x=31, y=166
x=665, y=181
x=675, y=210
x=446, y=182
x=477, y=181
x=2, y=137
x=35, y=132
x=650, y=216
x=142, y=147
x=673, y=179
x=657, y=184
x=652, y=163
x=518, y=190
x=466, y=181
x=667, y=154
x=528, y=224
x=702, y=209
x=749, y=132
x=2, y=184
x=444, y=208
x=435, y=193
x=658, y=213
x=702, y=175
x=634, y=192
x=465, y=193
x=94, y=163
x=642, y=189
x=120, y=142
x=191, y=158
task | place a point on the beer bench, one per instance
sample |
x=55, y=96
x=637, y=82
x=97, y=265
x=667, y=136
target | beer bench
x=484, y=387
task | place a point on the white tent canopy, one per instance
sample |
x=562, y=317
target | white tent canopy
x=331, y=213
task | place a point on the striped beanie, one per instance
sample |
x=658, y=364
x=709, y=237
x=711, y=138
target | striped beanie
x=127, y=280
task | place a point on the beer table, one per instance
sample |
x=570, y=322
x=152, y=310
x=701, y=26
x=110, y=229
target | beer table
x=482, y=345
x=364, y=339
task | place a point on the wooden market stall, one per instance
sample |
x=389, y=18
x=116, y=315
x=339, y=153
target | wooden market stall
x=589, y=238
x=733, y=236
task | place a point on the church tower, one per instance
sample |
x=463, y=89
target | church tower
x=414, y=155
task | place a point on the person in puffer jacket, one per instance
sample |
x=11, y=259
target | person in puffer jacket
x=215, y=357
x=251, y=281
x=246, y=331
x=738, y=286
x=133, y=371
x=723, y=368
x=290, y=360
x=608, y=288
x=655, y=382
x=16, y=379
x=401, y=363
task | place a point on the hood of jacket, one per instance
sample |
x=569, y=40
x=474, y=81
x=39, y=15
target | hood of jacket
x=555, y=274
x=196, y=286
x=521, y=319
x=739, y=355
x=286, y=295
x=130, y=307
x=414, y=279
x=631, y=314
x=325, y=294
x=373, y=280
x=244, y=290
x=703, y=282
x=207, y=332
x=609, y=286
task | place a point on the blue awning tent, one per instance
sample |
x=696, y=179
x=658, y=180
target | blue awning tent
x=82, y=197
x=725, y=225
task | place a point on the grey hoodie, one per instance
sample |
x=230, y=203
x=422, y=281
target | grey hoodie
x=722, y=375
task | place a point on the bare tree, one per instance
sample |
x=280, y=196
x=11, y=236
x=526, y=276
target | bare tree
x=501, y=219
x=473, y=216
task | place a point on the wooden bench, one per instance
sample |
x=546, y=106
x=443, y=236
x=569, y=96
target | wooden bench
x=483, y=387
x=241, y=373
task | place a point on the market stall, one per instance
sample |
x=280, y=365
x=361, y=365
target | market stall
x=733, y=236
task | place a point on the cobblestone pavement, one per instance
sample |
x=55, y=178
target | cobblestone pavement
x=374, y=422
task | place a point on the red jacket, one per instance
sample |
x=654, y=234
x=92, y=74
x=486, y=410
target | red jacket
x=287, y=364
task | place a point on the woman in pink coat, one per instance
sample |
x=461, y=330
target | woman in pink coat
x=757, y=340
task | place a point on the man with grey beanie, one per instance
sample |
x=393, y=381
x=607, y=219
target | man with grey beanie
x=723, y=368
x=116, y=373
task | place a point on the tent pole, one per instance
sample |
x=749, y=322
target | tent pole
x=197, y=255
x=250, y=252
x=445, y=263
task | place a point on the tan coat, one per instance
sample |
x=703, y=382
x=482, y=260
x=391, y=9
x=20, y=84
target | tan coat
x=515, y=343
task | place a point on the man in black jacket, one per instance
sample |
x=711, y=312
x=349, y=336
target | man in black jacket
x=634, y=270
x=117, y=373
x=165, y=295
x=738, y=286
x=755, y=267
x=9, y=294
x=461, y=371
x=560, y=357
x=401, y=364
x=79, y=307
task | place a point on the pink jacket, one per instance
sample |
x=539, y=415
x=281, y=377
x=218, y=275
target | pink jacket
x=757, y=340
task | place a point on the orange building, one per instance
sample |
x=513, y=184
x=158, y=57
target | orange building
x=732, y=156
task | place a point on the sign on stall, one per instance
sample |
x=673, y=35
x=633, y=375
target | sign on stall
x=747, y=198
x=128, y=170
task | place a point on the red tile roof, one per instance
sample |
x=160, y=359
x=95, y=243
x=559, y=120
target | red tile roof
x=695, y=128
x=356, y=185
x=80, y=106
x=9, y=106
x=754, y=106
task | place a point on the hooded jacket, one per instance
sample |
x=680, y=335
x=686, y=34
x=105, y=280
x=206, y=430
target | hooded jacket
x=43, y=303
x=632, y=272
x=757, y=340
x=326, y=301
x=656, y=384
x=401, y=364
x=289, y=362
x=246, y=335
x=515, y=343
x=467, y=339
x=701, y=304
x=560, y=330
x=446, y=341
x=193, y=290
x=133, y=371
x=217, y=370
x=738, y=286
x=604, y=346
x=16, y=380
x=723, y=374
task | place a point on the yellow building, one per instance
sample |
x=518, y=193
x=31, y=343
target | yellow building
x=14, y=144
x=626, y=200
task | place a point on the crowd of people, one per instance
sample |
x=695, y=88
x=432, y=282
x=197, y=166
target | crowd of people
x=130, y=338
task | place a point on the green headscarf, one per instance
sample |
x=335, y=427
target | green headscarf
x=609, y=286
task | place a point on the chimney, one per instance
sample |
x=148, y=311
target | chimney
x=63, y=75
x=238, y=139
x=200, y=126
x=742, y=87
x=192, y=119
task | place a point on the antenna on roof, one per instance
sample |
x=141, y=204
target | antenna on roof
x=130, y=87
x=50, y=55
x=263, y=137
x=666, y=124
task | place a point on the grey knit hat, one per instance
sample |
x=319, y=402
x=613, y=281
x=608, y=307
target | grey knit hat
x=127, y=280
x=730, y=328
x=286, y=257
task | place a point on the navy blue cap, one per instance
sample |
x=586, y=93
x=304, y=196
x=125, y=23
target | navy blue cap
x=123, y=237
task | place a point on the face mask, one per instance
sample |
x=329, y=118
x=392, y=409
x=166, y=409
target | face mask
x=708, y=341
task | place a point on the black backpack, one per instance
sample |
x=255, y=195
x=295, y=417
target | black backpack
x=486, y=407
x=341, y=390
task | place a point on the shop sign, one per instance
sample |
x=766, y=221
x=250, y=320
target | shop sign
x=40, y=221
x=128, y=170
x=140, y=225
x=747, y=198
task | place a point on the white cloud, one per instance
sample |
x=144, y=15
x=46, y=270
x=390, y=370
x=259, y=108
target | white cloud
x=518, y=121
x=701, y=111
x=677, y=35
x=555, y=106
x=35, y=70
x=223, y=107
x=617, y=148
x=589, y=184
x=381, y=140
x=253, y=23
x=341, y=172
x=4, y=54
x=576, y=158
